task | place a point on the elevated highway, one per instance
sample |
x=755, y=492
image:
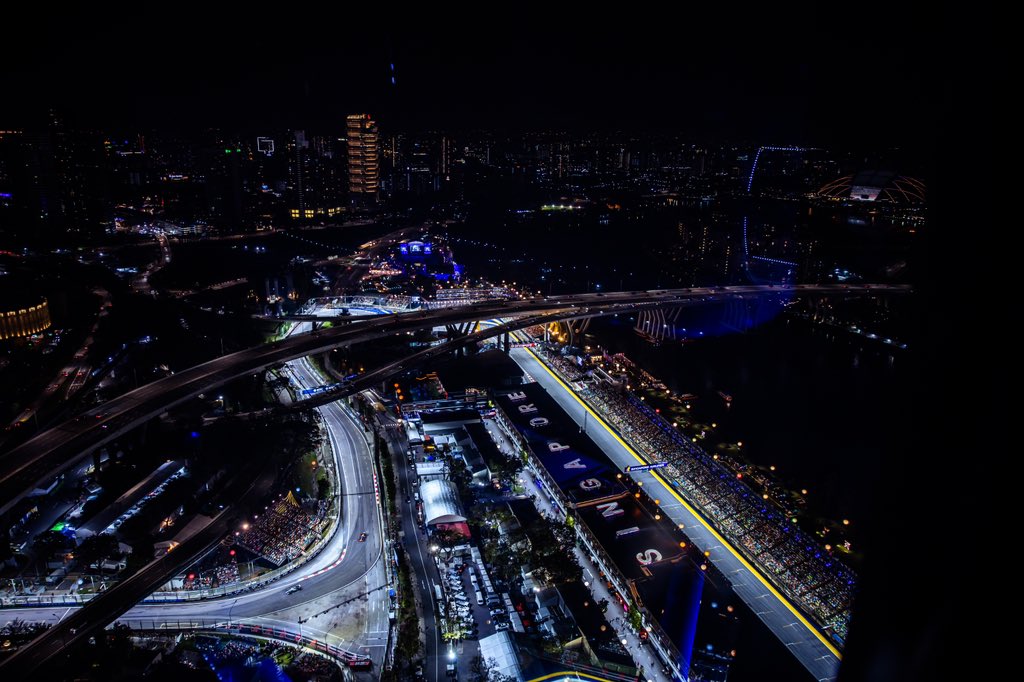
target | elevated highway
x=342, y=563
x=55, y=450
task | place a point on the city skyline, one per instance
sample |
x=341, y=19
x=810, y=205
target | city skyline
x=359, y=344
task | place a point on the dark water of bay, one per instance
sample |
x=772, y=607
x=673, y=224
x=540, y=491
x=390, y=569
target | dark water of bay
x=818, y=404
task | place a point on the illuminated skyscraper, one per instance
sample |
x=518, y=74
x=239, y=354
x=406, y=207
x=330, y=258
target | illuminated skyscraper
x=314, y=179
x=363, y=159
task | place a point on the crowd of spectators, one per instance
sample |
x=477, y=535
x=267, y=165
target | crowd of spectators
x=218, y=576
x=389, y=301
x=239, y=651
x=226, y=574
x=313, y=666
x=285, y=531
x=297, y=662
x=815, y=580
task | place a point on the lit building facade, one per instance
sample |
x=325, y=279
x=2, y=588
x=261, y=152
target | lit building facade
x=314, y=179
x=363, y=158
x=24, y=321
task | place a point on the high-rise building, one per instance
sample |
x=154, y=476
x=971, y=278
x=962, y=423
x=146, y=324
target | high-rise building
x=314, y=178
x=363, y=158
x=53, y=183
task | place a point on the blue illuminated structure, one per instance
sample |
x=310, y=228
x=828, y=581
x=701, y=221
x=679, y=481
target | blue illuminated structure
x=777, y=261
x=757, y=157
x=750, y=184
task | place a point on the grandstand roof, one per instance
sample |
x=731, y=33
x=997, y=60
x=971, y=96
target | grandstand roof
x=875, y=185
x=440, y=502
x=461, y=528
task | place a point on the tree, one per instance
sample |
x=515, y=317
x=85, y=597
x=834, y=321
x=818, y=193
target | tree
x=486, y=670
x=323, y=488
x=6, y=551
x=634, y=617
x=47, y=543
x=96, y=549
x=552, y=555
x=497, y=515
x=507, y=469
x=448, y=540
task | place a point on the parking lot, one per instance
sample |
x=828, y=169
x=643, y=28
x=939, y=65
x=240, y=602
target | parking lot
x=468, y=603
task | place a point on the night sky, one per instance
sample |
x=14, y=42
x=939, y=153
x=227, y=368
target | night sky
x=796, y=76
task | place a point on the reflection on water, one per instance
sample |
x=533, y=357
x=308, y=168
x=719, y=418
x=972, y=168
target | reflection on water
x=818, y=404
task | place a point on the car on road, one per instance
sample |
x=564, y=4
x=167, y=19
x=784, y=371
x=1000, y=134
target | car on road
x=501, y=626
x=293, y=589
x=362, y=537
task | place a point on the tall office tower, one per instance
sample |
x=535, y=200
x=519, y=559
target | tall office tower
x=298, y=153
x=226, y=175
x=363, y=160
x=54, y=183
x=314, y=178
x=446, y=159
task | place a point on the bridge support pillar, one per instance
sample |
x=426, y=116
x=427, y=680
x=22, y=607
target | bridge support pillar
x=506, y=343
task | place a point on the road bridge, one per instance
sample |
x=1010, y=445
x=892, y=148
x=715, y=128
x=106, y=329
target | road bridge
x=55, y=450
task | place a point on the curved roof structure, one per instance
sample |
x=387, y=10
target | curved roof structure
x=500, y=649
x=440, y=502
x=874, y=185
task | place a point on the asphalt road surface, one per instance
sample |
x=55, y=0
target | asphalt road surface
x=803, y=640
x=55, y=450
x=343, y=562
